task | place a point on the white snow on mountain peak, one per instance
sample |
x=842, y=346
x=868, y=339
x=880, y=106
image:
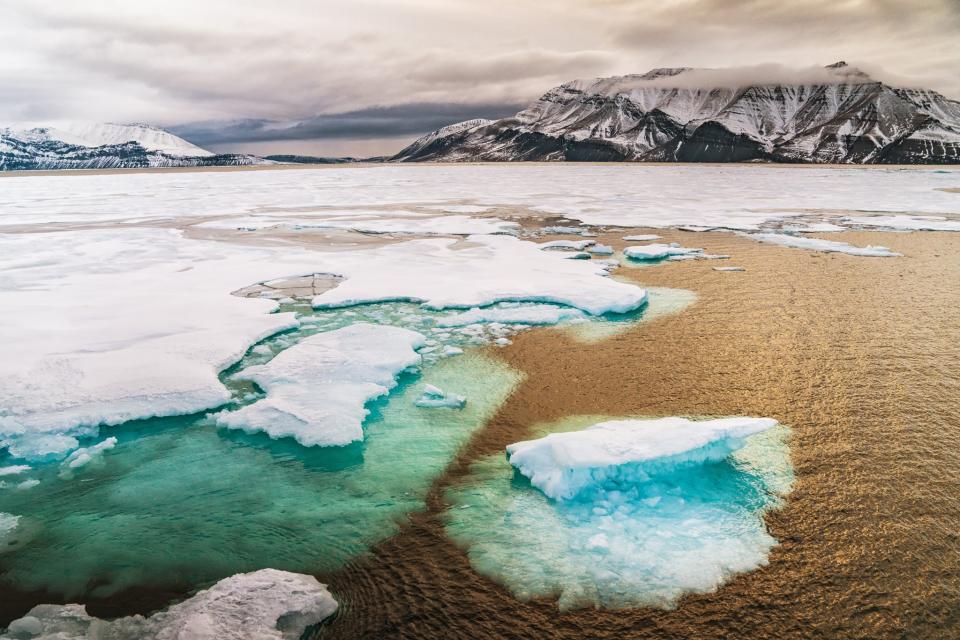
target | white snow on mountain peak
x=151, y=138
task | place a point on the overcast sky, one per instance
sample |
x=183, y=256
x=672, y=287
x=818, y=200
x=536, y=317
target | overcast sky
x=364, y=77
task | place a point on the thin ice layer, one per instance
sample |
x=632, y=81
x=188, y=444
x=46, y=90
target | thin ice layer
x=828, y=246
x=563, y=464
x=317, y=389
x=265, y=605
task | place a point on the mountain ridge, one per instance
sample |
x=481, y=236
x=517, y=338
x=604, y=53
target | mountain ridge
x=838, y=114
x=105, y=146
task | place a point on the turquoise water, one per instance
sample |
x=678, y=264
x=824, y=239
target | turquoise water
x=181, y=501
x=623, y=544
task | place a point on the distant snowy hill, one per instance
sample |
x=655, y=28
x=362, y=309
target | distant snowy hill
x=105, y=146
x=836, y=114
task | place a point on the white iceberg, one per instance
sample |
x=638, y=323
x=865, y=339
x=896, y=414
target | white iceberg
x=434, y=397
x=828, y=246
x=562, y=464
x=265, y=605
x=317, y=389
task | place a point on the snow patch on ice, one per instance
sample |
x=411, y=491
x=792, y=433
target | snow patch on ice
x=266, y=605
x=317, y=389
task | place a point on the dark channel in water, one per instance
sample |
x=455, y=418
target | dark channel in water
x=860, y=356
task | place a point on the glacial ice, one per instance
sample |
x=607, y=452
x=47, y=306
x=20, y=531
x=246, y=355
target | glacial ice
x=317, y=389
x=659, y=251
x=829, y=246
x=623, y=451
x=434, y=397
x=264, y=605
x=636, y=534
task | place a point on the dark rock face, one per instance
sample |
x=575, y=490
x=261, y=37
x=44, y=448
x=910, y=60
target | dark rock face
x=660, y=116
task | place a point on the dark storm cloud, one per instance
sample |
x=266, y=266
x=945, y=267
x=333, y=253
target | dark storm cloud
x=373, y=122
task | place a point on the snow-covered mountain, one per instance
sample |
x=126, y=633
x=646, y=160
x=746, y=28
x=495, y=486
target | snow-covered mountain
x=836, y=115
x=105, y=146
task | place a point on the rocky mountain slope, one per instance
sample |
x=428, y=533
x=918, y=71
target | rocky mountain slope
x=700, y=115
x=105, y=146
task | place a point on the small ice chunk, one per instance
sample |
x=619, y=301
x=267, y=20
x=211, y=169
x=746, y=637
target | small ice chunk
x=658, y=251
x=85, y=455
x=28, y=484
x=600, y=250
x=566, y=245
x=644, y=237
x=452, y=351
x=268, y=605
x=435, y=398
x=578, y=255
x=578, y=231
x=729, y=269
x=14, y=470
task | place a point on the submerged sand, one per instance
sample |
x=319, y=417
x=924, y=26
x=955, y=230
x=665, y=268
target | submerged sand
x=859, y=356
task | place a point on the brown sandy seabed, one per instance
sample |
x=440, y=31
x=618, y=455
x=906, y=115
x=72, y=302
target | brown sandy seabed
x=859, y=356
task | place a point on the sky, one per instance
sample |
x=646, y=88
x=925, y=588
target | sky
x=365, y=77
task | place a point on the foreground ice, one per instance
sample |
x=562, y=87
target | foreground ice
x=625, y=451
x=133, y=323
x=317, y=390
x=639, y=530
x=828, y=246
x=263, y=605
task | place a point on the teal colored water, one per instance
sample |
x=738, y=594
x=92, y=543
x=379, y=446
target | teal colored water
x=179, y=501
x=620, y=544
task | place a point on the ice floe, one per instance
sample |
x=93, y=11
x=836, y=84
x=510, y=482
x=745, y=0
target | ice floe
x=434, y=397
x=317, y=390
x=637, y=529
x=828, y=246
x=566, y=245
x=266, y=605
x=659, y=251
x=903, y=223
x=600, y=250
x=134, y=323
x=562, y=464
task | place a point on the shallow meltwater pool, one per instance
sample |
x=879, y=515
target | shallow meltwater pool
x=167, y=505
